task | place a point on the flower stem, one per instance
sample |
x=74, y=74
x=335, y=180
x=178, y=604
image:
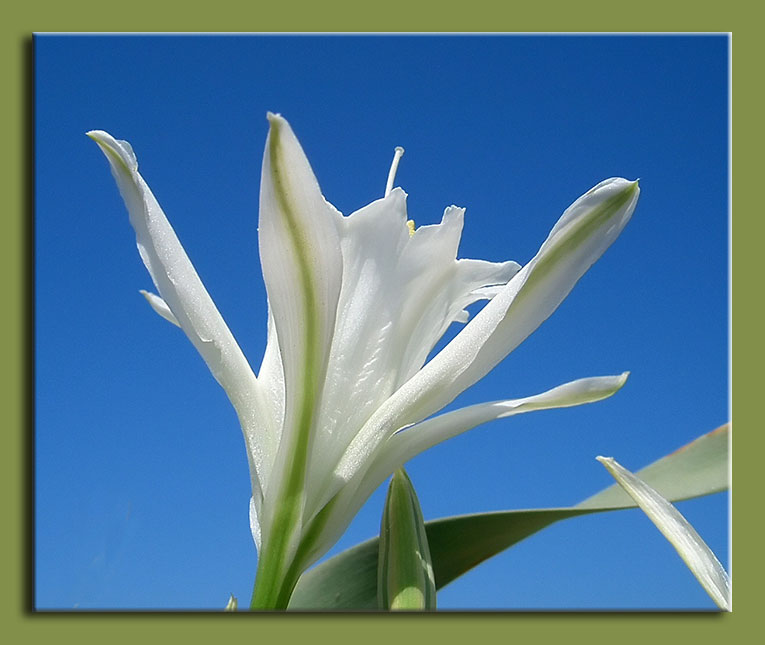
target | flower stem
x=275, y=578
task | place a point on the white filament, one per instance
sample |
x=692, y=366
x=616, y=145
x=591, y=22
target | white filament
x=399, y=152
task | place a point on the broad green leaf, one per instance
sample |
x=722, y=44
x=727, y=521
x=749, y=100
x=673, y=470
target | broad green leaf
x=698, y=468
x=457, y=544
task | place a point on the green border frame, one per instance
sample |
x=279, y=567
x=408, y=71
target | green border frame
x=335, y=15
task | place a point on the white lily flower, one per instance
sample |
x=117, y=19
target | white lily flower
x=344, y=395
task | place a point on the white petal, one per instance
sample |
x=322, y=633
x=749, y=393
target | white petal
x=181, y=290
x=688, y=543
x=173, y=274
x=585, y=230
x=302, y=267
x=271, y=382
x=254, y=524
x=408, y=442
x=411, y=441
x=160, y=306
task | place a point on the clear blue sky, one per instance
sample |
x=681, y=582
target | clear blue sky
x=142, y=485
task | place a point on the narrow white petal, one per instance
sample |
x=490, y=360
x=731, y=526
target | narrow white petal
x=173, y=274
x=182, y=293
x=302, y=267
x=585, y=230
x=409, y=442
x=688, y=543
x=160, y=306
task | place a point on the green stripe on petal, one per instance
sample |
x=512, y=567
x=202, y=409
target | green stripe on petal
x=569, y=239
x=302, y=267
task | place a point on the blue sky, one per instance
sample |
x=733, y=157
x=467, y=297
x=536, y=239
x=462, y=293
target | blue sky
x=141, y=477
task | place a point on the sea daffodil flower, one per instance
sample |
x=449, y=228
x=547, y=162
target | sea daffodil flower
x=344, y=395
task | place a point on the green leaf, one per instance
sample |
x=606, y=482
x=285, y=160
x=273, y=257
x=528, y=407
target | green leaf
x=457, y=544
x=405, y=573
x=698, y=468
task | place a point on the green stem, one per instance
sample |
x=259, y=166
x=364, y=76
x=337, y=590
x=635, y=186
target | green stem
x=270, y=578
x=273, y=588
x=273, y=592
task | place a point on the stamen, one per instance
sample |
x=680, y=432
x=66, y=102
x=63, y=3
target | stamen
x=393, y=167
x=410, y=225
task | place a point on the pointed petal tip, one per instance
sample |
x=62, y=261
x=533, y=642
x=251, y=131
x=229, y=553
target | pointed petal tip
x=616, y=184
x=101, y=137
x=275, y=119
x=115, y=150
x=631, y=187
x=159, y=306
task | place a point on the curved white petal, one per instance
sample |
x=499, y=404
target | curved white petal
x=585, y=230
x=172, y=272
x=183, y=296
x=411, y=441
x=687, y=542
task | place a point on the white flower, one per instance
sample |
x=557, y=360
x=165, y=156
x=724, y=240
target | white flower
x=344, y=396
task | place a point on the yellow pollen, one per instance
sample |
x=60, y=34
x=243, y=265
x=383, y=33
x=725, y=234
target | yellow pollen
x=410, y=225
